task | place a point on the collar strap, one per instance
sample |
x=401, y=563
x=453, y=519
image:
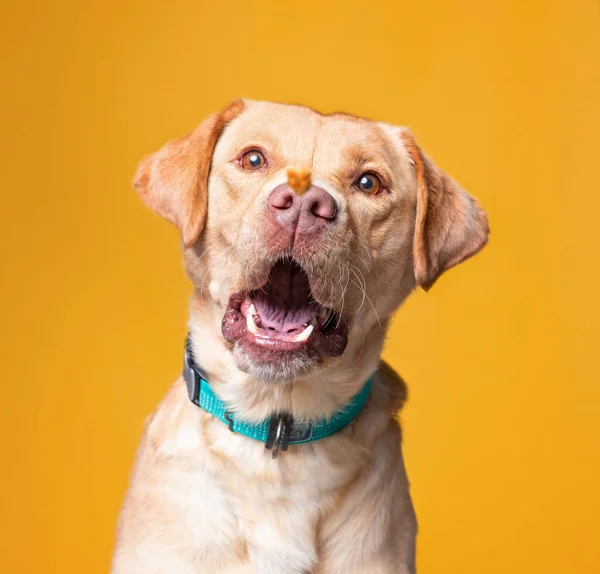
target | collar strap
x=281, y=429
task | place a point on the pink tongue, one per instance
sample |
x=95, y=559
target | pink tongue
x=284, y=305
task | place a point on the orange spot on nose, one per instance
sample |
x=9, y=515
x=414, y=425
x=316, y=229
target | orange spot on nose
x=299, y=180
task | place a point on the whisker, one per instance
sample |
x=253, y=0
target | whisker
x=201, y=256
x=347, y=270
x=201, y=287
x=362, y=287
x=371, y=302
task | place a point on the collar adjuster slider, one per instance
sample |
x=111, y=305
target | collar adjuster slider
x=190, y=375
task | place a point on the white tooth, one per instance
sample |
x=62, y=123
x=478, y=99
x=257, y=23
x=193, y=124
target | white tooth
x=252, y=310
x=250, y=324
x=304, y=335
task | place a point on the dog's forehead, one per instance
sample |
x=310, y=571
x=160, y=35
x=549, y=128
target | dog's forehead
x=300, y=133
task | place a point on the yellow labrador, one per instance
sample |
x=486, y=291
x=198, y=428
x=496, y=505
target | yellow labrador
x=278, y=451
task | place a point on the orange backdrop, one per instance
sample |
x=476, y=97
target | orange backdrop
x=503, y=423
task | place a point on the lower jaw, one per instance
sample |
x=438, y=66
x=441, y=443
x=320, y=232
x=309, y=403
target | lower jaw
x=279, y=345
x=277, y=362
x=331, y=344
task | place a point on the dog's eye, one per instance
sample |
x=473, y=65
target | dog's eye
x=369, y=183
x=253, y=159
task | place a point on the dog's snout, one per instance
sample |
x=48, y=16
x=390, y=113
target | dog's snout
x=304, y=213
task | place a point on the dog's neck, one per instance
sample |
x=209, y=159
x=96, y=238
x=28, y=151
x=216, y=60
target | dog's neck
x=316, y=395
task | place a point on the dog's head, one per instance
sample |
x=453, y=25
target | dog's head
x=304, y=232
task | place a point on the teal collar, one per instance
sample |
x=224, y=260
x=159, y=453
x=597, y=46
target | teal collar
x=281, y=429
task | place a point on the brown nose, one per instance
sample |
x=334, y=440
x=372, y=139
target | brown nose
x=304, y=213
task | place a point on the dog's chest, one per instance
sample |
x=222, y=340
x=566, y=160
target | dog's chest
x=247, y=509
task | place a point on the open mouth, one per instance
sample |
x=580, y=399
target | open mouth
x=283, y=316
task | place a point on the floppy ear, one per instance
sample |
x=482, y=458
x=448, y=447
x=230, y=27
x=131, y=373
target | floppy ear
x=174, y=180
x=450, y=225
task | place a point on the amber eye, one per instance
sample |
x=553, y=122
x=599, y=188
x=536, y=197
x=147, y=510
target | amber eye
x=253, y=159
x=369, y=183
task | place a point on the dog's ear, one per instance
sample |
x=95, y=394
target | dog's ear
x=174, y=180
x=450, y=225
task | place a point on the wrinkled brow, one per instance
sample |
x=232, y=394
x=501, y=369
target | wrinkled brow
x=359, y=154
x=365, y=158
x=256, y=138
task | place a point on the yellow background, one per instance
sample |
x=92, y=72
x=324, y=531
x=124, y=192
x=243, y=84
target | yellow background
x=501, y=358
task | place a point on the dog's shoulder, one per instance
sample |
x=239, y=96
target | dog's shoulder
x=395, y=385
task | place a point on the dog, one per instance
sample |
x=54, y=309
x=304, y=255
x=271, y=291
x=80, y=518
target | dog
x=278, y=450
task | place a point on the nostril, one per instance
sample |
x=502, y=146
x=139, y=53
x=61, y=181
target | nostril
x=282, y=200
x=324, y=207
